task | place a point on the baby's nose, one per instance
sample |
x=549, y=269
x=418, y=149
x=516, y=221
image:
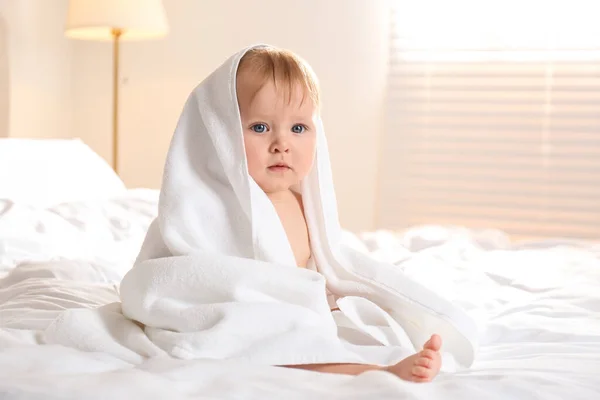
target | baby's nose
x=280, y=146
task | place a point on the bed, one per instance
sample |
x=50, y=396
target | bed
x=66, y=244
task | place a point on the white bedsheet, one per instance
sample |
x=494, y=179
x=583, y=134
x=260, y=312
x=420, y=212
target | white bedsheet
x=106, y=231
x=540, y=304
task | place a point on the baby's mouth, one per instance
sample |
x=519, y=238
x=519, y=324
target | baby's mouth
x=279, y=167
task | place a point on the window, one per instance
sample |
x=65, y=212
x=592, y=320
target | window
x=493, y=117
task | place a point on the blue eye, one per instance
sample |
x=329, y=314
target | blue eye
x=298, y=128
x=259, y=128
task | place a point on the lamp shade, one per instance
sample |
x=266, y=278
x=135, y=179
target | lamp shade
x=96, y=19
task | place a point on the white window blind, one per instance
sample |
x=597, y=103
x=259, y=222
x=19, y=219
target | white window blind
x=487, y=130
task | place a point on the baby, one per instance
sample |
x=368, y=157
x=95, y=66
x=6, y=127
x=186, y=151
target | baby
x=278, y=97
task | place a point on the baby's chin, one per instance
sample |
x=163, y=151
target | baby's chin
x=274, y=183
x=276, y=186
x=272, y=189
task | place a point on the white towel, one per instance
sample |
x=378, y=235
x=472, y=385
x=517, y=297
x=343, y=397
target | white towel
x=216, y=276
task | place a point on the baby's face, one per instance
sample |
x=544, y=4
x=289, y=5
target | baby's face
x=279, y=135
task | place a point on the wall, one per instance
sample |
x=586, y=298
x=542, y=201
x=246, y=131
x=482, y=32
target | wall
x=39, y=67
x=344, y=41
x=62, y=88
x=4, y=79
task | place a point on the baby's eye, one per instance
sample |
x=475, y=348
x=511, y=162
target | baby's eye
x=298, y=128
x=259, y=128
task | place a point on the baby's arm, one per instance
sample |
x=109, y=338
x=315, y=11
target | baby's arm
x=420, y=367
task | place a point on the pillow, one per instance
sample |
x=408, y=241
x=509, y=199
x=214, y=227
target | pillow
x=45, y=172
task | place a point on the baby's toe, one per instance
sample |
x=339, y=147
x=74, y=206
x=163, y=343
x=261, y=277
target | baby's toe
x=423, y=362
x=421, y=380
x=432, y=355
x=435, y=343
x=420, y=372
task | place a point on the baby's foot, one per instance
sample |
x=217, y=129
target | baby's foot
x=423, y=366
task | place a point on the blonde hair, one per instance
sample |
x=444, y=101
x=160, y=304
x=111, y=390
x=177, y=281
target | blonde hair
x=284, y=68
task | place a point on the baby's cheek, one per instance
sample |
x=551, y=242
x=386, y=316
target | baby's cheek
x=253, y=169
x=252, y=155
x=305, y=158
x=307, y=164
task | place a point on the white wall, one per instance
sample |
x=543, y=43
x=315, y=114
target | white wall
x=4, y=85
x=39, y=66
x=62, y=88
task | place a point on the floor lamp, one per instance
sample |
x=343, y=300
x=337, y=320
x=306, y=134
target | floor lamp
x=115, y=20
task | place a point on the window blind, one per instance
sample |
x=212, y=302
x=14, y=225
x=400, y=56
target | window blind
x=503, y=135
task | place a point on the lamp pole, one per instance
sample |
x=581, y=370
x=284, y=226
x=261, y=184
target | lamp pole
x=116, y=34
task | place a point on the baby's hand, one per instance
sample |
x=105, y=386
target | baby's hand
x=423, y=366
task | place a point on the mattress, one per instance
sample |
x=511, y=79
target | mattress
x=537, y=305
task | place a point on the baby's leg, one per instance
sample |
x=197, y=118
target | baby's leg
x=420, y=367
